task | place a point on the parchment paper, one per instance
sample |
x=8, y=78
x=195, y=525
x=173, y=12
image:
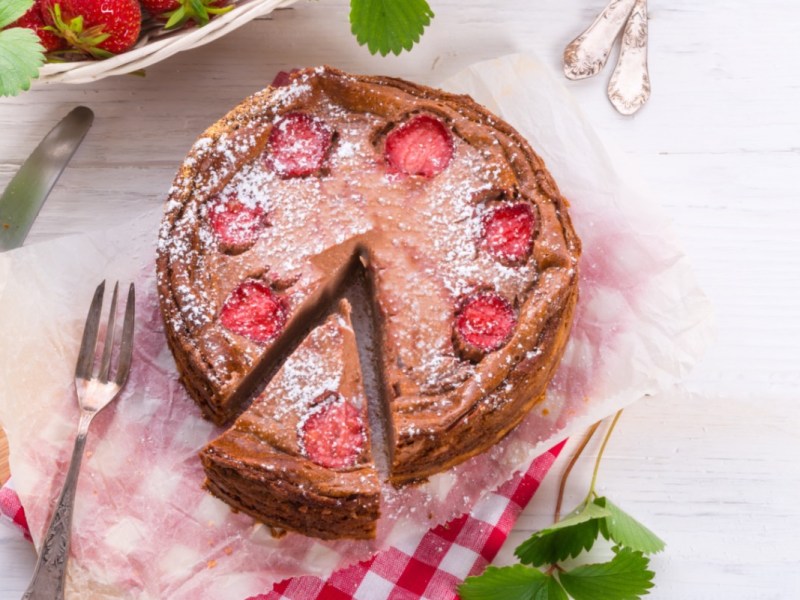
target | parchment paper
x=143, y=526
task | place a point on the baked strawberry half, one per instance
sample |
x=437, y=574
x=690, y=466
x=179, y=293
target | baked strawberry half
x=508, y=233
x=484, y=323
x=254, y=311
x=236, y=225
x=298, y=145
x=333, y=433
x=420, y=146
x=283, y=78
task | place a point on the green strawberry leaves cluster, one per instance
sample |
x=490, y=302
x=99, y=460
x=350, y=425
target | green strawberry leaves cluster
x=195, y=10
x=624, y=577
x=21, y=53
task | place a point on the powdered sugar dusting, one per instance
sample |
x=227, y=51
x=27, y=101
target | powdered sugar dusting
x=307, y=373
x=425, y=232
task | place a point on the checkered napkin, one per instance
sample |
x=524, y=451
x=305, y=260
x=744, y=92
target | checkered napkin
x=443, y=558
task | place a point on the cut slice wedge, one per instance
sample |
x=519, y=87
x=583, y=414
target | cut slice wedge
x=299, y=458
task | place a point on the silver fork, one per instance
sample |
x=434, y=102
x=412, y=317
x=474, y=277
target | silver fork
x=95, y=392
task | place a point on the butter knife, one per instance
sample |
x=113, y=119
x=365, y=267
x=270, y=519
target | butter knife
x=29, y=188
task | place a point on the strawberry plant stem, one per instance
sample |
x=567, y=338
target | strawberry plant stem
x=565, y=475
x=606, y=437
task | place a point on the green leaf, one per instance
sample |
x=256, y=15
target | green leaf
x=516, y=582
x=11, y=10
x=389, y=25
x=553, y=591
x=21, y=55
x=625, y=577
x=567, y=538
x=627, y=531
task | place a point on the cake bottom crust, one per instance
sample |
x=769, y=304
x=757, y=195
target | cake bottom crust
x=282, y=491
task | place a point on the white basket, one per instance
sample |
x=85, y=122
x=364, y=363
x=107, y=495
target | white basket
x=157, y=46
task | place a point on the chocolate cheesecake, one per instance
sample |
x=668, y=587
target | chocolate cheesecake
x=458, y=227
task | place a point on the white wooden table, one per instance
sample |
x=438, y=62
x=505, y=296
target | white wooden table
x=715, y=467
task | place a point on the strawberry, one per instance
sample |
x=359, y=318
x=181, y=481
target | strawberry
x=420, y=146
x=236, y=225
x=100, y=28
x=484, y=323
x=34, y=20
x=333, y=434
x=179, y=12
x=297, y=145
x=283, y=78
x=254, y=311
x=508, y=233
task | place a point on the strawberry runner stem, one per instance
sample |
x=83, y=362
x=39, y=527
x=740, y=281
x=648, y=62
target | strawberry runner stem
x=592, y=494
x=565, y=475
x=568, y=469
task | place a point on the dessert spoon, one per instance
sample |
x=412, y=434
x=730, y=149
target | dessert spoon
x=586, y=55
x=629, y=86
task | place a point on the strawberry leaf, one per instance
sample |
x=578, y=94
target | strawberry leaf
x=625, y=577
x=11, y=10
x=567, y=538
x=627, y=531
x=389, y=25
x=21, y=55
x=516, y=582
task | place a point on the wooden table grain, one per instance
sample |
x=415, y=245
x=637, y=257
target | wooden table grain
x=712, y=466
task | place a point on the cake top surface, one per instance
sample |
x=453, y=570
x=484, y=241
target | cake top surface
x=297, y=175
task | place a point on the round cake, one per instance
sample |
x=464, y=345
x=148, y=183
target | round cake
x=460, y=232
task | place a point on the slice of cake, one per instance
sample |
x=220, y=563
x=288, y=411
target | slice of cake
x=299, y=457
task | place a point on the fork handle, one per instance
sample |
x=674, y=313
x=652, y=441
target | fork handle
x=51, y=567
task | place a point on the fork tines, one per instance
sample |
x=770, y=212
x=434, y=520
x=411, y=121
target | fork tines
x=86, y=356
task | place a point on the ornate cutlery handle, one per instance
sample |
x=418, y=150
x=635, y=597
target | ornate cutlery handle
x=51, y=568
x=629, y=87
x=587, y=54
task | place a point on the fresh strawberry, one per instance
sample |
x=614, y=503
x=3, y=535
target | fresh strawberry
x=297, y=145
x=333, y=434
x=100, y=28
x=178, y=12
x=254, y=311
x=34, y=21
x=508, y=233
x=484, y=322
x=420, y=146
x=236, y=225
x=156, y=7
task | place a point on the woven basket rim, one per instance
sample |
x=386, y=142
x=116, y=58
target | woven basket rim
x=156, y=49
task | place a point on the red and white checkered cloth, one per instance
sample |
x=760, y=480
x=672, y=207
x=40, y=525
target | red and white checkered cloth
x=432, y=570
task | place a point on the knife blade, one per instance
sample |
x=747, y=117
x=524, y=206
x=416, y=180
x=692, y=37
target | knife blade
x=29, y=188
